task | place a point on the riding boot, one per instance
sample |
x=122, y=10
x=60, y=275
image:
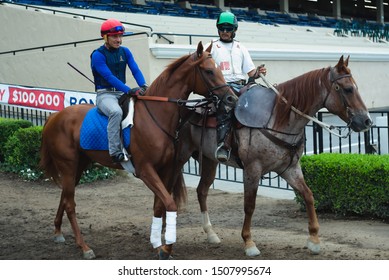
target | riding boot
x=225, y=111
x=223, y=130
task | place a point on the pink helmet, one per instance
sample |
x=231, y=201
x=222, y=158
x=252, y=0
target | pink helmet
x=111, y=27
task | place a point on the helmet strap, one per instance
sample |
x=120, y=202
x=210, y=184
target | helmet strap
x=105, y=38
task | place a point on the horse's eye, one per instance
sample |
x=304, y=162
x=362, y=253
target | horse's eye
x=209, y=72
x=348, y=90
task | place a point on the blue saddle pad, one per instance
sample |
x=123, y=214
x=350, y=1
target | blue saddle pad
x=93, y=134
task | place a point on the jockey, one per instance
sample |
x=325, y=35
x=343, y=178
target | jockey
x=109, y=63
x=236, y=64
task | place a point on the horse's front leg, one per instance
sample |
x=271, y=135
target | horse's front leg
x=251, y=176
x=157, y=225
x=296, y=179
x=163, y=200
x=208, y=173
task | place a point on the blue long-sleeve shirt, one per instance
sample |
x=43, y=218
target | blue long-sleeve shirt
x=103, y=74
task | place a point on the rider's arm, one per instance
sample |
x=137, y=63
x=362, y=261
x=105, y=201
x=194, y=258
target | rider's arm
x=135, y=70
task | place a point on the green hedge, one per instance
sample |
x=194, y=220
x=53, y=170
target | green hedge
x=348, y=184
x=21, y=152
x=20, y=148
x=7, y=128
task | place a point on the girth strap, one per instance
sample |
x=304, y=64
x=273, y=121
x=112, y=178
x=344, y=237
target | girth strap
x=291, y=147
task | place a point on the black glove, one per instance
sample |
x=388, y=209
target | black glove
x=143, y=89
x=134, y=91
x=138, y=90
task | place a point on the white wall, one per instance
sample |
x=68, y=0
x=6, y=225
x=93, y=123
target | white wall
x=287, y=51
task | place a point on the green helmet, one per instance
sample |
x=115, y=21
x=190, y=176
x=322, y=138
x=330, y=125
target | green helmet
x=227, y=18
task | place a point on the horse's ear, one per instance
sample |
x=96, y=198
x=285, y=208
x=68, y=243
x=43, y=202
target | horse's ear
x=209, y=47
x=200, y=49
x=340, y=63
x=346, y=62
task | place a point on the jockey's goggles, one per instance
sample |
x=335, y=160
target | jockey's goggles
x=225, y=28
x=113, y=30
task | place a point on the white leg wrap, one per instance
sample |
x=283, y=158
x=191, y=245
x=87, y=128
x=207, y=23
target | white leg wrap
x=156, y=232
x=207, y=227
x=205, y=222
x=171, y=222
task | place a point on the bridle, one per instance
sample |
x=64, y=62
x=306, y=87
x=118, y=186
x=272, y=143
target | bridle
x=203, y=102
x=216, y=98
x=335, y=85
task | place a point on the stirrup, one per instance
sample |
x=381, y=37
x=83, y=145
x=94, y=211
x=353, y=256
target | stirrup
x=118, y=158
x=222, y=154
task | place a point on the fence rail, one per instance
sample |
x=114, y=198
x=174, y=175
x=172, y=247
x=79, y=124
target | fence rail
x=317, y=141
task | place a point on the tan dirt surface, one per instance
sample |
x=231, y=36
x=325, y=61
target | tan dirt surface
x=115, y=217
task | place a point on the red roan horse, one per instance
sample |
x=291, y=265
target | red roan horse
x=152, y=145
x=278, y=145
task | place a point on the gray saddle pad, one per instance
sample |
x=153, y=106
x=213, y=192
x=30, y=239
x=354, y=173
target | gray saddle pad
x=255, y=106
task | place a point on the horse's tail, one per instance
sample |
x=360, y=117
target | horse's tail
x=46, y=162
x=179, y=189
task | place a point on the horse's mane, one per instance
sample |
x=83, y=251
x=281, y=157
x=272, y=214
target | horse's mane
x=300, y=92
x=162, y=79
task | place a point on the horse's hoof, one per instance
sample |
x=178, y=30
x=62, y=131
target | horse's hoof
x=164, y=255
x=89, y=255
x=252, y=251
x=213, y=239
x=313, y=247
x=59, y=238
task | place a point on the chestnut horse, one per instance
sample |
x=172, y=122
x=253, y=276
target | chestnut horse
x=152, y=145
x=278, y=145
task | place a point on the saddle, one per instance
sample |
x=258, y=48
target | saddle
x=253, y=109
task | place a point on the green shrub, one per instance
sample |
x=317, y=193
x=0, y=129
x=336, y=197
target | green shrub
x=22, y=148
x=96, y=173
x=348, y=183
x=7, y=128
x=21, y=152
x=21, y=156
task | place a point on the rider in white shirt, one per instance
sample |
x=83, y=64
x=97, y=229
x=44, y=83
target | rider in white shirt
x=236, y=65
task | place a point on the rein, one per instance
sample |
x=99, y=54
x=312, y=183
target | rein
x=202, y=102
x=327, y=127
x=180, y=102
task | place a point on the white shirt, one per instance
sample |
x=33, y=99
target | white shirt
x=233, y=59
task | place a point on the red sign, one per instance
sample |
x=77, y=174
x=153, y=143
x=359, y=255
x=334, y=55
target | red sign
x=36, y=98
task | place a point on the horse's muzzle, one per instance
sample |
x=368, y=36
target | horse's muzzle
x=230, y=100
x=361, y=122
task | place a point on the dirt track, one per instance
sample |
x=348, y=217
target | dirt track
x=115, y=217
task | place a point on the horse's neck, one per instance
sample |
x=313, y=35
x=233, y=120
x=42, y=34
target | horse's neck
x=164, y=110
x=314, y=89
x=294, y=126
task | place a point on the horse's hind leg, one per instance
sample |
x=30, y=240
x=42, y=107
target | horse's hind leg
x=71, y=172
x=208, y=172
x=68, y=203
x=58, y=236
x=296, y=179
